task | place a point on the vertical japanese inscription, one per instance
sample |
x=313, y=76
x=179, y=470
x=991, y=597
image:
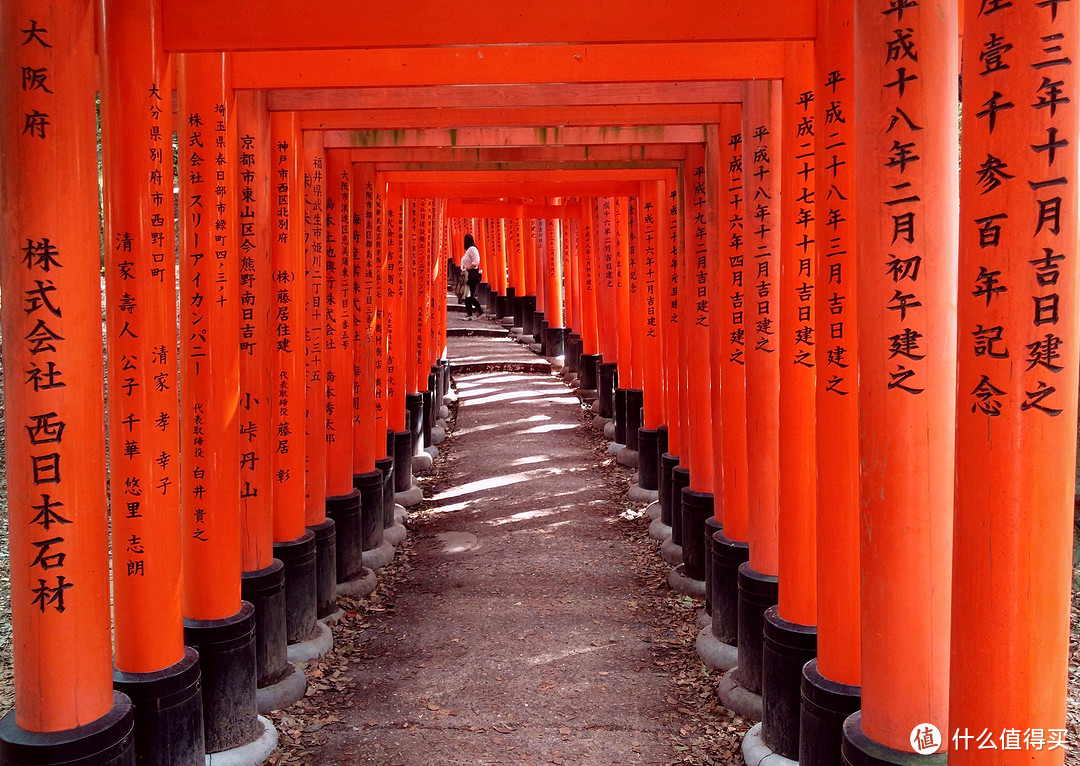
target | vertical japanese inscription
x=733, y=245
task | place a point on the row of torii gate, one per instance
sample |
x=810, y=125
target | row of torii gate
x=865, y=357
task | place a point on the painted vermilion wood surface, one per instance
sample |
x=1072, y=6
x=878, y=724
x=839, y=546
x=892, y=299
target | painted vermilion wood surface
x=701, y=236
x=669, y=276
x=315, y=363
x=287, y=325
x=837, y=398
x=209, y=338
x=249, y=24
x=256, y=349
x=337, y=338
x=1016, y=383
x=650, y=252
x=518, y=95
x=906, y=178
x=139, y=230
x=54, y=404
x=797, y=341
x=730, y=332
x=762, y=168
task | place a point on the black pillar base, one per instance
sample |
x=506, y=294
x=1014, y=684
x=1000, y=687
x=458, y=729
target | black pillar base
x=385, y=466
x=403, y=453
x=787, y=647
x=572, y=360
x=605, y=388
x=483, y=294
x=325, y=568
x=511, y=302
x=226, y=650
x=348, y=535
x=414, y=403
x=491, y=305
x=635, y=400
x=555, y=342
x=825, y=706
x=537, y=325
x=108, y=741
x=264, y=589
x=712, y=526
x=541, y=333
x=859, y=750
x=668, y=463
x=299, y=558
x=587, y=372
x=500, y=306
x=620, y=416
x=680, y=480
x=697, y=507
x=757, y=592
x=727, y=556
x=370, y=487
x=648, y=459
x=167, y=705
x=427, y=421
x=528, y=308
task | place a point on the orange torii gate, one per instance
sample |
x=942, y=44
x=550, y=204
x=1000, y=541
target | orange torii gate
x=1018, y=306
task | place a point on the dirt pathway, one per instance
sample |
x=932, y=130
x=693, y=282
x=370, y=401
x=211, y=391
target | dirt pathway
x=519, y=632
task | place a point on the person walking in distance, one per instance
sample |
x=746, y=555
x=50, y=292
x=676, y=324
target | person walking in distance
x=470, y=264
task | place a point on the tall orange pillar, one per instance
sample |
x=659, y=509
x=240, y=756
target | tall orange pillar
x=647, y=270
x=729, y=332
x=568, y=249
x=607, y=302
x=790, y=637
x=635, y=316
x=620, y=232
x=905, y=130
x=396, y=338
x=670, y=435
x=762, y=169
x=831, y=681
x=587, y=327
x=342, y=499
x=316, y=366
x=1016, y=387
x=53, y=395
x=294, y=544
x=210, y=398
x=144, y=434
x=700, y=237
x=553, y=313
x=372, y=469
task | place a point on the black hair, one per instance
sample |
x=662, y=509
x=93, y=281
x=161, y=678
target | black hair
x=469, y=241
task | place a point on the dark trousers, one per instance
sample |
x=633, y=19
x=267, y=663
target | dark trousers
x=470, y=301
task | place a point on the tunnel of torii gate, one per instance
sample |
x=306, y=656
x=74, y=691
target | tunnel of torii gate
x=843, y=363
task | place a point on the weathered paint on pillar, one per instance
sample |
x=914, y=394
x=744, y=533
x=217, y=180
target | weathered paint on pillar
x=337, y=340
x=837, y=400
x=256, y=352
x=209, y=338
x=762, y=171
x=906, y=157
x=53, y=397
x=797, y=342
x=314, y=329
x=731, y=331
x=1016, y=384
x=700, y=179
x=287, y=325
x=141, y=338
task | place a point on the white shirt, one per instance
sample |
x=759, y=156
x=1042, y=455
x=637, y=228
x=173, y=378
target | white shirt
x=471, y=259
